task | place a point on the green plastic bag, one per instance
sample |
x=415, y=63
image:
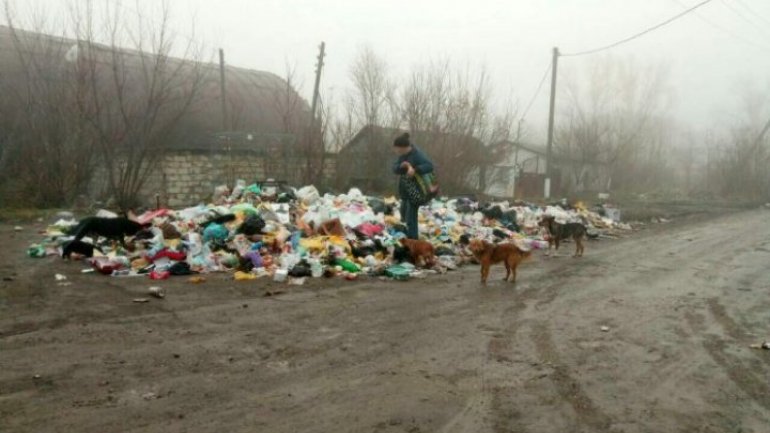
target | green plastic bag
x=36, y=251
x=254, y=189
x=398, y=272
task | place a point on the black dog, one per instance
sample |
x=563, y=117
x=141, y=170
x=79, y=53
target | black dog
x=110, y=228
x=559, y=232
x=79, y=247
x=219, y=219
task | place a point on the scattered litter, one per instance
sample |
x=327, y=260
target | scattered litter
x=275, y=231
x=296, y=281
x=60, y=277
x=141, y=300
x=157, y=292
x=159, y=275
x=605, y=329
x=244, y=276
x=150, y=396
x=765, y=346
x=18, y=228
x=275, y=292
x=280, y=275
x=88, y=271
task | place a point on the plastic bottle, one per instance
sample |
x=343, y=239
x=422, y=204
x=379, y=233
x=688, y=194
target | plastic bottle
x=347, y=265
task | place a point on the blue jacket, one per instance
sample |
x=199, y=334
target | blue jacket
x=418, y=160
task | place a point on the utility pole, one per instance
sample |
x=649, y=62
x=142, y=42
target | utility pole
x=222, y=88
x=319, y=67
x=549, y=149
x=223, y=98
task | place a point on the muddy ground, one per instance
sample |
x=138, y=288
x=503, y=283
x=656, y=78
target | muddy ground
x=682, y=302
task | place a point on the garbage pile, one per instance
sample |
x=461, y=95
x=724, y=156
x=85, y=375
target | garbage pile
x=289, y=235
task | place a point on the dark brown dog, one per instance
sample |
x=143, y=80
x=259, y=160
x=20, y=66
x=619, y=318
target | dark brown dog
x=559, y=232
x=488, y=254
x=421, y=251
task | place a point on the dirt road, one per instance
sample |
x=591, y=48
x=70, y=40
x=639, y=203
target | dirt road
x=682, y=303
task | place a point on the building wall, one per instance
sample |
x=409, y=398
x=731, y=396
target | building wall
x=187, y=178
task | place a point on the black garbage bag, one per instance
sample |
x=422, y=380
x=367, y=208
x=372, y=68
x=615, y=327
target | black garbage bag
x=493, y=212
x=401, y=255
x=444, y=251
x=362, y=251
x=301, y=269
x=180, y=268
x=219, y=219
x=253, y=225
x=378, y=206
x=499, y=234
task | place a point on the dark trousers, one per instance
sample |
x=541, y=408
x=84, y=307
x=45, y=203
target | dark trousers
x=409, y=217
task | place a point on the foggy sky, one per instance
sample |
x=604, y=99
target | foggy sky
x=714, y=54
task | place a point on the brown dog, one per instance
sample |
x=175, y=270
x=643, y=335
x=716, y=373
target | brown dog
x=558, y=232
x=421, y=251
x=489, y=254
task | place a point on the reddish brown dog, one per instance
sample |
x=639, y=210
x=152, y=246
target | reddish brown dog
x=422, y=252
x=489, y=254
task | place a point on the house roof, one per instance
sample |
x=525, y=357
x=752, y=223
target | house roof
x=254, y=97
x=419, y=137
x=542, y=151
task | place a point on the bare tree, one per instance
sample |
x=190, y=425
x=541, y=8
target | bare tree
x=134, y=99
x=372, y=86
x=614, y=119
x=742, y=165
x=47, y=149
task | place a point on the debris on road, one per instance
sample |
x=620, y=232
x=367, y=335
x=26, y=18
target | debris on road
x=303, y=234
x=605, y=329
x=765, y=346
x=157, y=292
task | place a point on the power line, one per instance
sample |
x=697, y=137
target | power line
x=753, y=12
x=725, y=30
x=742, y=16
x=537, y=92
x=640, y=34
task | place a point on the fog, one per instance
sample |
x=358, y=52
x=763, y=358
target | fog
x=658, y=95
x=714, y=54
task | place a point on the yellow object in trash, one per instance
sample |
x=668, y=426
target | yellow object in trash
x=243, y=276
x=139, y=263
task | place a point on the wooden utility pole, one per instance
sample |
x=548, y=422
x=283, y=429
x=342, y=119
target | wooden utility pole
x=549, y=149
x=319, y=67
x=223, y=96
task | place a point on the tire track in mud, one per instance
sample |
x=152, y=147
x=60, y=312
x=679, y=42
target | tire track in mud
x=754, y=385
x=506, y=416
x=568, y=388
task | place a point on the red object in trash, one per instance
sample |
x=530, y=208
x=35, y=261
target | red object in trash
x=172, y=255
x=159, y=275
x=104, y=265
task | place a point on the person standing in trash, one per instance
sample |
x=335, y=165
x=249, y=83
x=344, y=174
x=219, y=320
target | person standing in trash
x=411, y=160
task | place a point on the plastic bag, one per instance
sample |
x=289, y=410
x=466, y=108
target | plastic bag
x=215, y=232
x=308, y=195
